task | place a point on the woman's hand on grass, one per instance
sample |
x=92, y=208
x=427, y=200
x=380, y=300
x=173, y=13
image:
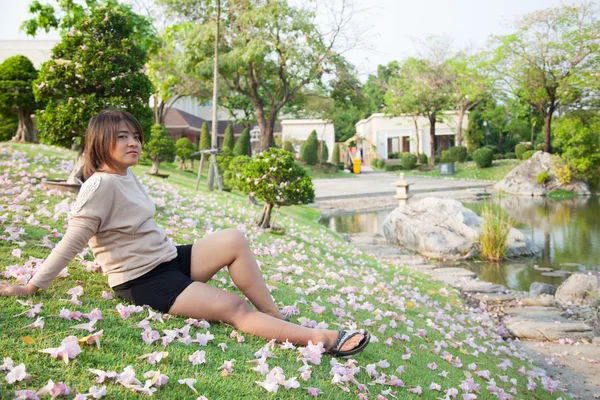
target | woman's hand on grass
x=7, y=289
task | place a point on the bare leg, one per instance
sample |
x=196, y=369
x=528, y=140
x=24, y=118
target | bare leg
x=201, y=300
x=230, y=248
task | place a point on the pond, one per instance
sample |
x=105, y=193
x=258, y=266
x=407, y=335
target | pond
x=567, y=232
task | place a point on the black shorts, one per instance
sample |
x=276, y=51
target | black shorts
x=160, y=287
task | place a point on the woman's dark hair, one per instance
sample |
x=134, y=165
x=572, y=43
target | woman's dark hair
x=100, y=137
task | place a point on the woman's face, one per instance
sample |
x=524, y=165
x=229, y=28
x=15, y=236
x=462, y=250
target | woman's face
x=126, y=150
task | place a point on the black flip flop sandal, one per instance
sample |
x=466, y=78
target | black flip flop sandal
x=343, y=337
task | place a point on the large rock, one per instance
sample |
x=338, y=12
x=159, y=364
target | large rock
x=538, y=288
x=444, y=228
x=548, y=326
x=522, y=180
x=580, y=288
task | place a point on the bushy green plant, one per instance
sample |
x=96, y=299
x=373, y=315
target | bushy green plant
x=498, y=156
x=17, y=74
x=375, y=163
x=275, y=178
x=308, y=151
x=98, y=64
x=539, y=147
x=323, y=151
x=183, y=149
x=393, y=155
x=510, y=156
x=160, y=147
x=527, y=155
x=447, y=157
x=8, y=126
x=483, y=157
x=459, y=153
x=492, y=147
x=228, y=139
x=205, y=140
x=288, y=145
x=423, y=158
x=520, y=149
x=242, y=145
x=335, y=156
x=543, y=177
x=395, y=167
x=408, y=161
x=381, y=163
x=494, y=234
x=232, y=172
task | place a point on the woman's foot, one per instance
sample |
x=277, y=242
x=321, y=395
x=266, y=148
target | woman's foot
x=349, y=345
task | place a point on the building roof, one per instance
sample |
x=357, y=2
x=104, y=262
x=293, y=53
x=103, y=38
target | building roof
x=176, y=118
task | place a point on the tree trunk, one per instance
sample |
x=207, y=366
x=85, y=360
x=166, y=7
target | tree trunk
x=265, y=219
x=417, y=139
x=155, y=164
x=25, y=131
x=461, y=116
x=432, y=138
x=215, y=121
x=266, y=127
x=182, y=164
x=547, y=132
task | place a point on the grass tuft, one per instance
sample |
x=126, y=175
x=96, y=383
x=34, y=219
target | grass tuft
x=494, y=234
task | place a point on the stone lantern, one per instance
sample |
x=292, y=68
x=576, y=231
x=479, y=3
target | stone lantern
x=402, y=190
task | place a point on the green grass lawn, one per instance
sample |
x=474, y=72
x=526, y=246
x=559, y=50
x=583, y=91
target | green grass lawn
x=468, y=170
x=424, y=335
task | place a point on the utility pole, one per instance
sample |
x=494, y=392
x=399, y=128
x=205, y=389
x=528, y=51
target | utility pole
x=212, y=171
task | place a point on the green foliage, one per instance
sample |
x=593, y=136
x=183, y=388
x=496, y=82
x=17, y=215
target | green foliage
x=308, y=151
x=459, y=153
x=494, y=233
x=391, y=168
x=408, y=161
x=520, y=149
x=393, y=156
x=447, y=157
x=184, y=148
x=543, y=177
x=335, y=157
x=242, y=145
x=561, y=194
x=8, y=126
x=275, y=178
x=232, y=171
x=578, y=139
x=510, y=156
x=228, y=139
x=483, y=157
x=288, y=145
x=493, y=148
x=423, y=158
x=527, y=155
x=498, y=156
x=205, y=139
x=97, y=65
x=323, y=151
x=17, y=74
x=160, y=147
x=378, y=163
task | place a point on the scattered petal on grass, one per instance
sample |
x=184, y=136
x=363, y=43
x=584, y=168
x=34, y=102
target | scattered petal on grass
x=68, y=349
x=198, y=357
x=314, y=391
x=93, y=338
x=190, y=382
x=17, y=374
x=155, y=357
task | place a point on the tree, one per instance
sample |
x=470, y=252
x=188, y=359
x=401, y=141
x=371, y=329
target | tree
x=242, y=145
x=422, y=87
x=377, y=85
x=204, y=137
x=263, y=56
x=470, y=83
x=275, y=178
x=97, y=65
x=551, y=61
x=335, y=156
x=160, y=147
x=228, y=140
x=17, y=74
x=184, y=148
x=308, y=150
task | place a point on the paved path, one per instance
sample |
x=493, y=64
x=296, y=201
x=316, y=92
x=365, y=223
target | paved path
x=381, y=183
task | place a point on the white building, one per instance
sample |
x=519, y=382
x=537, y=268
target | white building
x=38, y=51
x=398, y=134
x=298, y=130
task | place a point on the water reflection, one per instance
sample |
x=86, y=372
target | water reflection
x=567, y=232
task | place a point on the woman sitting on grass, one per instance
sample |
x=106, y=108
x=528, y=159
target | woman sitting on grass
x=114, y=213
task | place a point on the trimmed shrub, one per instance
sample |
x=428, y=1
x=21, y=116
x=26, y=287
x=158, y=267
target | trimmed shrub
x=393, y=156
x=520, y=149
x=308, y=151
x=527, y=155
x=493, y=148
x=323, y=151
x=228, y=139
x=395, y=167
x=499, y=156
x=289, y=146
x=184, y=148
x=483, y=157
x=459, y=153
x=160, y=147
x=378, y=163
x=204, y=137
x=543, y=177
x=335, y=157
x=423, y=158
x=242, y=146
x=408, y=161
x=446, y=157
x=510, y=156
x=232, y=171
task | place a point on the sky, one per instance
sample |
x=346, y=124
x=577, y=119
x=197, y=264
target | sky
x=390, y=24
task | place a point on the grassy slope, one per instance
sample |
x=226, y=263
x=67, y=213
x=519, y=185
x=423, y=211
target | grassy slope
x=469, y=170
x=308, y=264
